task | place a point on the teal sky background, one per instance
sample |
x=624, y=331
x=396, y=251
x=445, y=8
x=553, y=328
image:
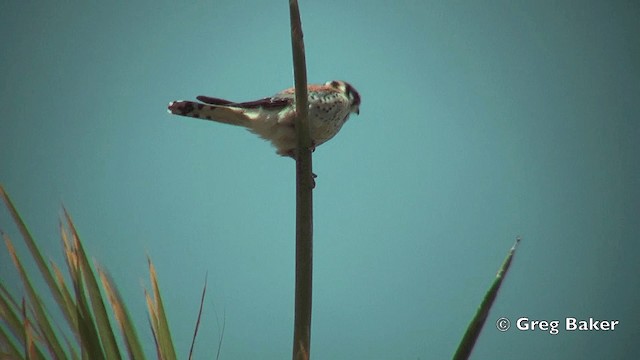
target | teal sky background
x=480, y=121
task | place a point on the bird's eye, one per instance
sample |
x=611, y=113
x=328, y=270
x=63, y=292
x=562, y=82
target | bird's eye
x=335, y=84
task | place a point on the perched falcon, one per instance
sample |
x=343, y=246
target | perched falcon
x=273, y=118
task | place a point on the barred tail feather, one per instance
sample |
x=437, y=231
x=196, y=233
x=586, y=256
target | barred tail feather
x=222, y=114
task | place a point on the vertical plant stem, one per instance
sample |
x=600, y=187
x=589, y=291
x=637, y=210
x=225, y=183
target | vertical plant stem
x=304, y=196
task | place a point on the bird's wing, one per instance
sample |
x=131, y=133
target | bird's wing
x=266, y=103
x=213, y=101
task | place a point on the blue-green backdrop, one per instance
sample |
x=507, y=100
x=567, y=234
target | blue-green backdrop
x=480, y=121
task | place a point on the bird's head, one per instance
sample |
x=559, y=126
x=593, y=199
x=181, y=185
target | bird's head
x=351, y=93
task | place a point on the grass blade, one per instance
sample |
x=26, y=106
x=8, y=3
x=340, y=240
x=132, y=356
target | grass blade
x=68, y=300
x=162, y=326
x=36, y=254
x=44, y=326
x=9, y=311
x=90, y=341
x=475, y=327
x=195, y=331
x=8, y=348
x=107, y=336
x=122, y=316
x=153, y=323
x=224, y=324
x=8, y=314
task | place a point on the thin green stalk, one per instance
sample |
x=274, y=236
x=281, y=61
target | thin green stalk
x=195, y=331
x=304, y=196
x=474, y=328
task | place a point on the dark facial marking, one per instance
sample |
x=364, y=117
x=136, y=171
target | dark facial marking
x=356, y=96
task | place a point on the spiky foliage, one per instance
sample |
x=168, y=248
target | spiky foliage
x=27, y=330
x=475, y=326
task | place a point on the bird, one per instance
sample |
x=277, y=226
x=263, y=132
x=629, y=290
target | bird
x=274, y=118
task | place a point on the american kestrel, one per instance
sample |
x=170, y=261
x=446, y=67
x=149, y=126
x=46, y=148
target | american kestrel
x=273, y=118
